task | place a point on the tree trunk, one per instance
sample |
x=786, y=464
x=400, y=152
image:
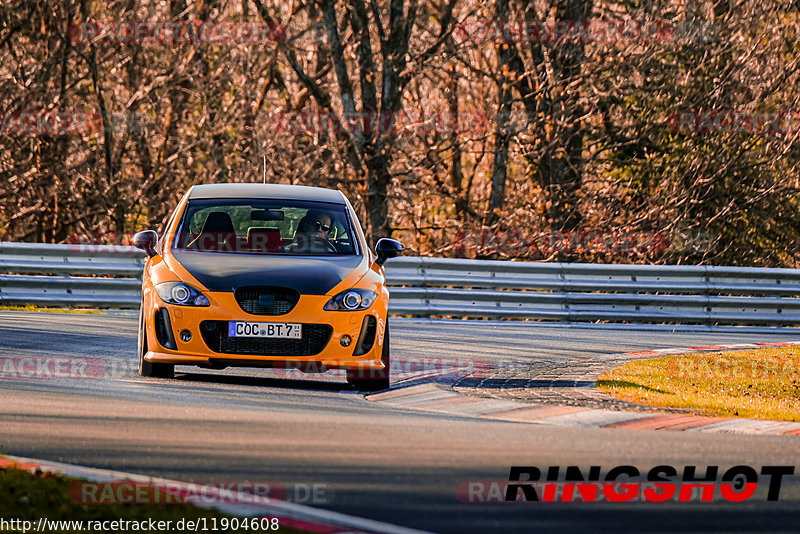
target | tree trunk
x=561, y=167
x=378, y=181
x=502, y=137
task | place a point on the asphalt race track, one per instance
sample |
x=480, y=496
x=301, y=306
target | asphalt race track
x=391, y=464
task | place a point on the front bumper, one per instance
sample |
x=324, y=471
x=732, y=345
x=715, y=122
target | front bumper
x=308, y=312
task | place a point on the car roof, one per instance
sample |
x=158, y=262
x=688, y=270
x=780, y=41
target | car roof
x=272, y=191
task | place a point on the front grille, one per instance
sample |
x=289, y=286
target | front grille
x=315, y=338
x=267, y=300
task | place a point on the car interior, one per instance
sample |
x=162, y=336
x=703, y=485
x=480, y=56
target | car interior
x=259, y=234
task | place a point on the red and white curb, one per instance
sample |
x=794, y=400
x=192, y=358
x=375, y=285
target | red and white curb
x=444, y=399
x=291, y=515
x=712, y=348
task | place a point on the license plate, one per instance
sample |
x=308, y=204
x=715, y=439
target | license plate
x=279, y=330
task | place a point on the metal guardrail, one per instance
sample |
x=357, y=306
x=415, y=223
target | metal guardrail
x=45, y=275
x=575, y=292
x=109, y=276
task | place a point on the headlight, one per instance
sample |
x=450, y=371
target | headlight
x=181, y=294
x=351, y=300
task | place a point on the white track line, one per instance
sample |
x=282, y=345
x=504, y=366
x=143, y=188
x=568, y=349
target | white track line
x=274, y=508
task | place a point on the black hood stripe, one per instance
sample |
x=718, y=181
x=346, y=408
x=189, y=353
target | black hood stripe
x=308, y=275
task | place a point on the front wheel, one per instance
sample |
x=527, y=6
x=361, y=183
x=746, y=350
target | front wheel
x=156, y=370
x=377, y=379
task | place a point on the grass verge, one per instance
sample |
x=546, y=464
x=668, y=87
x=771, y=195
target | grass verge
x=756, y=384
x=30, y=496
x=32, y=308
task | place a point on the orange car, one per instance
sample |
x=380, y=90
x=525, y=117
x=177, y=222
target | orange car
x=265, y=275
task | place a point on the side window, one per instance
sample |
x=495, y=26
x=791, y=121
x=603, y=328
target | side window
x=240, y=217
x=163, y=237
x=198, y=220
x=341, y=231
x=292, y=218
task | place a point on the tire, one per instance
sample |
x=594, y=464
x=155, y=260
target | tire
x=156, y=370
x=379, y=379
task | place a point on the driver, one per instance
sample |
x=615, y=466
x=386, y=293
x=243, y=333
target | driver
x=313, y=233
x=317, y=224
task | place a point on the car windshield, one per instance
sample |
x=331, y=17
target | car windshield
x=265, y=227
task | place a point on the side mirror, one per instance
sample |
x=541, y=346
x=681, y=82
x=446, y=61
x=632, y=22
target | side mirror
x=387, y=248
x=146, y=241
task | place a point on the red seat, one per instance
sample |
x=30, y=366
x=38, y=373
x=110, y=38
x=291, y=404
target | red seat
x=264, y=240
x=217, y=234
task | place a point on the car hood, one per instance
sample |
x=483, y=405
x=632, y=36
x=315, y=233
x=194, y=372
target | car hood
x=308, y=275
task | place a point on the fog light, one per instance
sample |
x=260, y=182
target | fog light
x=345, y=340
x=186, y=336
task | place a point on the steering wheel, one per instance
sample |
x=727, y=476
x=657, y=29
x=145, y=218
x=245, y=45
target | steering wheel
x=308, y=241
x=330, y=246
